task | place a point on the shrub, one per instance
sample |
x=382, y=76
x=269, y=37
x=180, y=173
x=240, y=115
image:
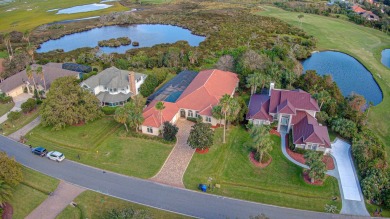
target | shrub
x=14, y=115
x=169, y=131
x=5, y=99
x=108, y=110
x=29, y=105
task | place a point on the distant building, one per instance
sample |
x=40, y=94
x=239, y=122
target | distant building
x=20, y=83
x=292, y=110
x=368, y=15
x=114, y=87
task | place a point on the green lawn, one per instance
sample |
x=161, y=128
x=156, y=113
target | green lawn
x=280, y=183
x=28, y=14
x=31, y=192
x=3, y=54
x=363, y=43
x=94, y=205
x=4, y=108
x=100, y=144
x=9, y=128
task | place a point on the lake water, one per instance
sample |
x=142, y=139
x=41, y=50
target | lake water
x=386, y=57
x=349, y=74
x=83, y=8
x=146, y=34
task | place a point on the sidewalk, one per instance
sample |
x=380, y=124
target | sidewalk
x=57, y=202
x=26, y=129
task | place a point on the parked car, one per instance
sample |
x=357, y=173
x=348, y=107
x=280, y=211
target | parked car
x=39, y=151
x=55, y=155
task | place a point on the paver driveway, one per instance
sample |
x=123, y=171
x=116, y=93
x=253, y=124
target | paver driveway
x=177, y=162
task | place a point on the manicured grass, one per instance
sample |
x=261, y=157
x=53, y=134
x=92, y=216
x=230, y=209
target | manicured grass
x=281, y=183
x=94, y=205
x=100, y=144
x=9, y=128
x=31, y=192
x=363, y=43
x=4, y=108
x=28, y=14
x=372, y=208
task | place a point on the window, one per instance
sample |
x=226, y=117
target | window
x=115, y=90
x=190, y=114
x=105, y=88
x=196, y=114
x=208, y=119
x=275, y=116
x=139, y=79
x=110, y=89
x=149, y=130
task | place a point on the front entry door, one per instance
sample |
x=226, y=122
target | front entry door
x=182, y=113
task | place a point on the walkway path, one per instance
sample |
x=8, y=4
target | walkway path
x=178, y=160
x=18, y=100
x=344, y=172
x=283, y=144
x=145, y=192
x=55, y=203
x=26, y=129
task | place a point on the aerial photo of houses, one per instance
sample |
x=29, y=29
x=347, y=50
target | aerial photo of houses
x=131, y=109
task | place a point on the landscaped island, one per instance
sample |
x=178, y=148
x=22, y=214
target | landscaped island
x=115, y=42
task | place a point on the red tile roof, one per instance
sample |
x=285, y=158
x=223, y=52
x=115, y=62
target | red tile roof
x=357, y=9
x=201, y=95
x=258, y=107
x=293, y=99
x=207, y=88
x=309, y=131
x=152, y=117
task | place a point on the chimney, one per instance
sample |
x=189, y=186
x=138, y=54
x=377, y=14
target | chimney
x=271, y=87
x=133, y=88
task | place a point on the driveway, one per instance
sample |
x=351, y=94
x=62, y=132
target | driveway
x=153, y=194
x=353, y=200
x=18, y=100
x=178, y=160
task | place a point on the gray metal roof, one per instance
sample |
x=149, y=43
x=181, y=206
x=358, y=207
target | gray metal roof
x=111, y=78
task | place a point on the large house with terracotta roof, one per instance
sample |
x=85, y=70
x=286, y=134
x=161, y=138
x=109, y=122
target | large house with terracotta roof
x=292, y=110
x=197, y=100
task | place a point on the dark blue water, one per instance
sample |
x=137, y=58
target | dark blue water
x=386, y=57
x=146, y=34
x=349, y=74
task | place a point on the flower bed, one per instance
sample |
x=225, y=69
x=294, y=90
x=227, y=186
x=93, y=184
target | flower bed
x=257, y=163
x=200, y=151
x=307, y=179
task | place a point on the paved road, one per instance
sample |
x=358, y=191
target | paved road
x=150, y=193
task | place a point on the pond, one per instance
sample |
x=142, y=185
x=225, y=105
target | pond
x=386, y=57
x=82, y=8
x=146, y=34
x=349, y=74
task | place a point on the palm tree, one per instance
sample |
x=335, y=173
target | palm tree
x=230, y=108
x=121, y=116
x=160, y=107
x=26, y=36
x=30, y=50
x=5, y=193
x=30, y=75
x=41, y=74
x=300, y=17
x=7, y=42
x=322, y=97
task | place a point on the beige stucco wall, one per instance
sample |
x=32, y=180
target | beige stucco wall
x=156, y=131
x=15, y=92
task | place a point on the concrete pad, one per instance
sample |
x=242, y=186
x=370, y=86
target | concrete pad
x=350, y=188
